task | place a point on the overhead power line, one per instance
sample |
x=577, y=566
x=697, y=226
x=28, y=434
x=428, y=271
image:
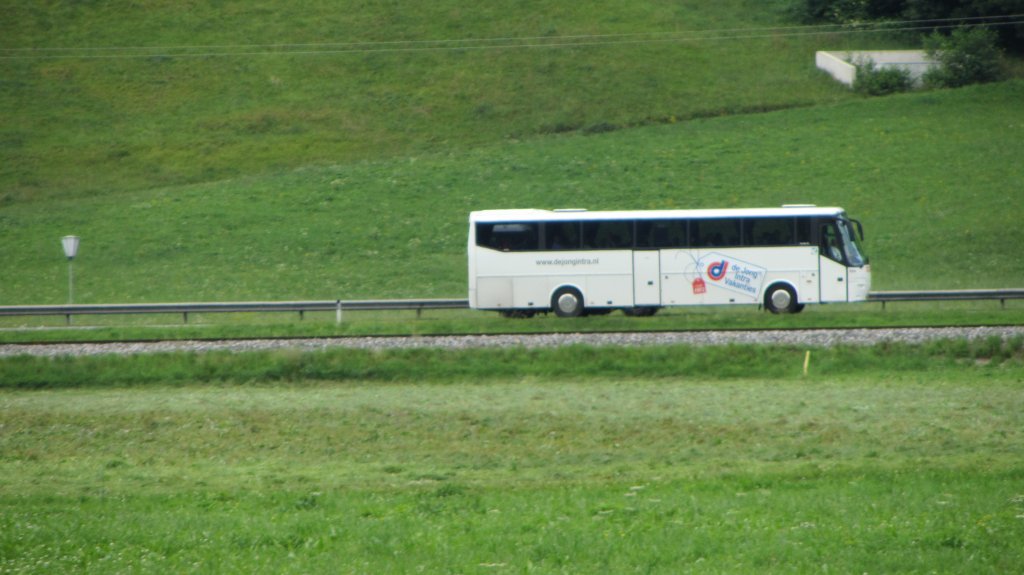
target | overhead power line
x=503, y=43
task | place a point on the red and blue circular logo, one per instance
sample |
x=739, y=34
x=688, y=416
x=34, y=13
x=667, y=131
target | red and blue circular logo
x=716, y=270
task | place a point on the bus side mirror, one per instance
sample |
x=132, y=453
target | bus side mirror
x=860, y=229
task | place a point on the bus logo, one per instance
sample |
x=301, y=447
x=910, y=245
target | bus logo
x=716, y=270
x=731, y=274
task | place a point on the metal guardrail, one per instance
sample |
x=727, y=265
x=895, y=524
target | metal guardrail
x=947, y=295
x=337, y=306
x=418, y=305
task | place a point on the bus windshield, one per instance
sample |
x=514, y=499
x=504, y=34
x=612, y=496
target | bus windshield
x=854, y=253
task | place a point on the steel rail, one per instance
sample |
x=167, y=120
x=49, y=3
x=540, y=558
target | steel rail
x=418, y=305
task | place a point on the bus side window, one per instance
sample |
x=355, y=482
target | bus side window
x=768, y=232
x=610, y=234
x=562, y=235
x=803, y=231
x=661, y=234
x=715, y=233
x=830, y=243
x=507, y=237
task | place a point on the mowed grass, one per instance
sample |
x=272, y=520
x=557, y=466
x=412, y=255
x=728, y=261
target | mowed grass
x=445, y=322
x=886, y=467
x=292, y=366
x=932, y=176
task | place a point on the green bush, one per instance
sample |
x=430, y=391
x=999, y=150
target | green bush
x=839, y=11
x=874, y=81
x=877, y=12
x=967, y=56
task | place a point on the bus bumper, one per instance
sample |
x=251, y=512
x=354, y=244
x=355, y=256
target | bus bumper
x=860, y=283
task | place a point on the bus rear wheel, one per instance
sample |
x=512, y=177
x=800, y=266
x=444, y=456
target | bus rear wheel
x=567, y=302
x=781, y=298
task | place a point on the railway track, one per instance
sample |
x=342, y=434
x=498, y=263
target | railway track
x=815, y=338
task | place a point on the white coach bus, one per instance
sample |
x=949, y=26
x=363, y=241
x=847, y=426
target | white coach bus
x=575, y=262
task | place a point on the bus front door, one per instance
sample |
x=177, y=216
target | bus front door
x=833, y=280
x=831, y=267
x=646, y=278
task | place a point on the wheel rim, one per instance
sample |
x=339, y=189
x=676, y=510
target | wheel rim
x=568, y=303
x=781, y=299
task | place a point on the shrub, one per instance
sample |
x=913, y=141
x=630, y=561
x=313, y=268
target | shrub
x=967, y=56
x=874, y=81
x=852, y=12
x=839, y=11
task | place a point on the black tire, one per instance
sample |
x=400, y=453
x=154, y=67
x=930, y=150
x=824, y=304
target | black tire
x=640, y=311
x=780, y=298
x=567, y=302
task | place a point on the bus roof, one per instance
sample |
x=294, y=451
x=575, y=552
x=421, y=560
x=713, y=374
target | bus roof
x=527, y=215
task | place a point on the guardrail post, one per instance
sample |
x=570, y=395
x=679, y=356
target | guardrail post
x=337, y=314
x=184, y=316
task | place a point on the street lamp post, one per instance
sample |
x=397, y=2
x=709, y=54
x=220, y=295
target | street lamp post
x=70, y=250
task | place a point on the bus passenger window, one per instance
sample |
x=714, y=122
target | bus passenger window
x=507, y=237
x=803, y=231
x=610, y=234
x=768, y=232
x=661, y=234
x=715, y=233
x=562, y=236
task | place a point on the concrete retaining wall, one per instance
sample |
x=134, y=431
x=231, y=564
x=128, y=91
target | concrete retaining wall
x=843, y=65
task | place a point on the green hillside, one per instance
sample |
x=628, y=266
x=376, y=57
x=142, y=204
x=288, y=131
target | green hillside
x=270, y=151
x=110, y=97
x=934, y=177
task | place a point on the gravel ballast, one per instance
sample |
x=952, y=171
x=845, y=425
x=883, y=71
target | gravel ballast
x=808, y=338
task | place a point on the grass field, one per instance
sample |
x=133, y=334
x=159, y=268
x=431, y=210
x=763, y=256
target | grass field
x=929, y=174
x=270, y=151
x=107, y=99
x=444, y=322
x=262, y=172
x=889, y=459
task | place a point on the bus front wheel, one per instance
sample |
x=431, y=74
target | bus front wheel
x=781, y=298
x=567, y=302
